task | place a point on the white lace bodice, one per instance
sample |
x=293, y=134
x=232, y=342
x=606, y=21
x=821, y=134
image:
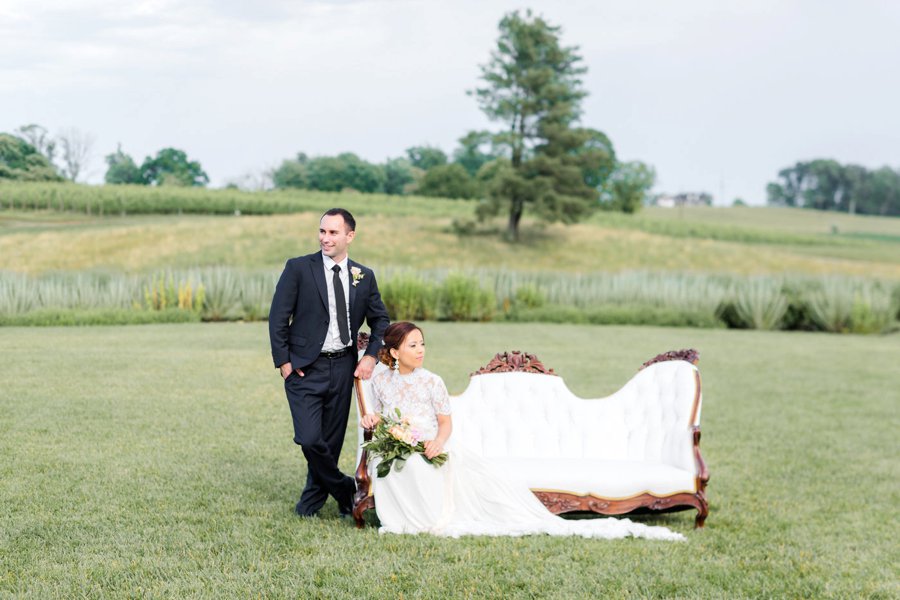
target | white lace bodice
x=420, y=396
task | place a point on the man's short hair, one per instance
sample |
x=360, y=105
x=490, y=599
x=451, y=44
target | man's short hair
x=348, y=218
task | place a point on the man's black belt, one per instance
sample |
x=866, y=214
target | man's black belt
x=335, y=353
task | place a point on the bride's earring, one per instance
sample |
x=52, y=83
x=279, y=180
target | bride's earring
x=396, y=364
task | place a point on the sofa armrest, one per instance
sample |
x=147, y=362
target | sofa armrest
x=702, y=470
x=363, y=482
x=688, y=457
x=668, y=408
x=701, y=480
x=362, y=476
x=363, y=499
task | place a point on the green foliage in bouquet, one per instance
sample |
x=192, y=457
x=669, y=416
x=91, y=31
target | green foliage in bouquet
x=394, y=440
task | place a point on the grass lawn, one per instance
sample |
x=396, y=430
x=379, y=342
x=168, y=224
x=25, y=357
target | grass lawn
x=156, y=461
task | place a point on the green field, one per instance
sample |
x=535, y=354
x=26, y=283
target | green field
x=156, y=461
x=712, y=240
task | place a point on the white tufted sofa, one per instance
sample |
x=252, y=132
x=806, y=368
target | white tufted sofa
x=636, y=450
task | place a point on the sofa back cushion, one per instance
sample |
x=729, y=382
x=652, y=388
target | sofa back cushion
x=528, y=415
x=518, y=415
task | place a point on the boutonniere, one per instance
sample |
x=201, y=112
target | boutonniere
x=357, y=274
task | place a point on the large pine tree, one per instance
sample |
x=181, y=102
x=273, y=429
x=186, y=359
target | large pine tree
x=533, y=86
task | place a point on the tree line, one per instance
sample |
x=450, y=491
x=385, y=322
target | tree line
x=423, y=171
x=826, y=184
x=31, y=153
x=539, y=156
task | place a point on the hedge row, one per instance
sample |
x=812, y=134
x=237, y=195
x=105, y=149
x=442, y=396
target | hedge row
x=834, y=304
x=126, y=200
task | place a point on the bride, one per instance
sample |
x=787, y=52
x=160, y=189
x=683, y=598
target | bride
x=465, y=496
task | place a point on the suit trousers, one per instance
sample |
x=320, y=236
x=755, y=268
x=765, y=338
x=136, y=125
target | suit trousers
x=320, y=405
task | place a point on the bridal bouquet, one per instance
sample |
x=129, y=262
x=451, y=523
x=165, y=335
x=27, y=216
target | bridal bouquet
x=394, y=440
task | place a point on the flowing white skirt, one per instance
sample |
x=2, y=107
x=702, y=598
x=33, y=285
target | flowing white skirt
x=466, y=496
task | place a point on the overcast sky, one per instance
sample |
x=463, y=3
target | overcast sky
x=716, y=95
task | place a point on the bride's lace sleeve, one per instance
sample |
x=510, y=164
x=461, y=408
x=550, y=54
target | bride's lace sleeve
x=377, y=395
x=440, y=397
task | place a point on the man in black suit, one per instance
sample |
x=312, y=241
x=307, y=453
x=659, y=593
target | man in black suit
x=319, y=305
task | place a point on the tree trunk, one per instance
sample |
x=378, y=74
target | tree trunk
x=517, y=205
x=515, y=215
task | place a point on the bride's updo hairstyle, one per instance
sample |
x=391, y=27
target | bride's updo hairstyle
x=393, y=337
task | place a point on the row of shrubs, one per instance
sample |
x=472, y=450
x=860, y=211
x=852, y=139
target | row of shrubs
x=692, y=228
x=834, y=304
x=215, y=294
x=123, y=200
x=138, y=199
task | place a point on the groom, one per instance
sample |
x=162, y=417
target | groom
x=319, y=305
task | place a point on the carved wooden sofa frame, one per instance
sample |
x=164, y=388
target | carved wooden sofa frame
x=561, y=502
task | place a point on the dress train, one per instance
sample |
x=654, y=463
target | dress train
x=467, y=496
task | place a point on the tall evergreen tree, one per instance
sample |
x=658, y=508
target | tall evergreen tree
x=532, y=86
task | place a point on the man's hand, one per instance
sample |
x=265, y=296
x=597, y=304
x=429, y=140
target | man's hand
x=286, y=370
x=369, y=421
x=365, y=367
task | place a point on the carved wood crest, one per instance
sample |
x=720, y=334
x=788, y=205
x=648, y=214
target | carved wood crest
x=515, y=361
x=688, y=354
x=558, y=503
x=362, y=341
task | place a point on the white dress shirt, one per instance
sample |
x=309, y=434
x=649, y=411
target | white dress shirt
x=333, y=337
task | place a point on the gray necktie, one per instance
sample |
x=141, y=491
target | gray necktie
x=340, y=305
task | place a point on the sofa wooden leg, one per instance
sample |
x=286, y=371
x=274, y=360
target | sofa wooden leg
x=702, y=513
x=361, y=504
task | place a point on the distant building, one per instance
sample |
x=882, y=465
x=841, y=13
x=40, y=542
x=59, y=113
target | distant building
x=683, y=199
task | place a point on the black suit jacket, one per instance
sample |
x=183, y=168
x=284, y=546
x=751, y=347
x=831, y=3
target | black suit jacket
x=298, y=319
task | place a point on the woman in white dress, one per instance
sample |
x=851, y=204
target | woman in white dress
x=465, y=496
